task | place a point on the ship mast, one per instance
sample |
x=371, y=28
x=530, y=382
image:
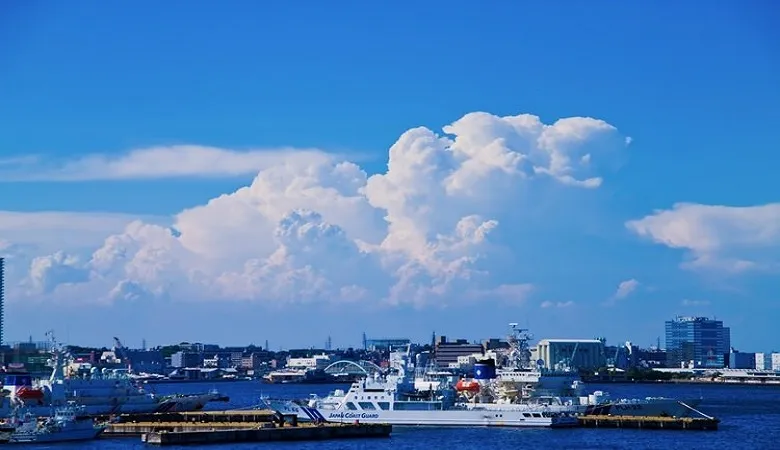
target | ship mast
x=519, y=353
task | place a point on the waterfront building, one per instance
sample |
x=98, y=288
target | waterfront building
x=697, y=342
x=775, y=362
x=651, y=358
x=447, y=353
x=313, y=363
x=740, y=360
x=252, y=361
x=763, y=361
x=572, y=353
x=495, y=344
x=183, y=359
x=386, y=344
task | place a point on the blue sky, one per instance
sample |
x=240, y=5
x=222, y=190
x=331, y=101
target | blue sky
x=696, y=90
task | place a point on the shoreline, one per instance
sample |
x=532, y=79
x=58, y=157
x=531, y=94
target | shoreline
x=719, y=383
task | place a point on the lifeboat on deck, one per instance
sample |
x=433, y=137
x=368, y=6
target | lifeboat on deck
x=28, y=393
x=467, y=386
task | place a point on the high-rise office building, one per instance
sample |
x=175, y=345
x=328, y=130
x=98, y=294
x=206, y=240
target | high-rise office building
x=698, y=340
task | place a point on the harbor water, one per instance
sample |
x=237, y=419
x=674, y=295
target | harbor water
x=750, y=419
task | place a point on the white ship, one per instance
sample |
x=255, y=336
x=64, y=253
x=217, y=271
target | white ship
x=67, y=424
x=515, y=388
x=519, y=385
x=393, y=400
x=99, y=392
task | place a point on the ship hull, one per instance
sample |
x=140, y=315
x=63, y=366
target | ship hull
x=647, y=408
x=654, y=408
x=109, y=406
x=74, y=431
x=85, y=434
x=438, y=418
x=651, y=408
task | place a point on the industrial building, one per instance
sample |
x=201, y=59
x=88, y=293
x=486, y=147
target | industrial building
x=697, y=342
x=313, y=363
x=571, y=353
x=447, y=353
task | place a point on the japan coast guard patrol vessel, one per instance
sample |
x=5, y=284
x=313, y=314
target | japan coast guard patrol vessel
x=393, y=400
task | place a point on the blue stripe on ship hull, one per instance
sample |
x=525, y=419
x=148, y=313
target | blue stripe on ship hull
x=307, y=412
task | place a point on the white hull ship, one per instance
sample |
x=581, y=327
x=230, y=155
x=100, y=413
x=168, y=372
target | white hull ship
x=67, y=424
x=428, y=416
x=393, y=400
x=99, y=392
x=515, y=395
x=518, y=385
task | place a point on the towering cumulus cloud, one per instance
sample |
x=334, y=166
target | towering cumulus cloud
x=318, y=228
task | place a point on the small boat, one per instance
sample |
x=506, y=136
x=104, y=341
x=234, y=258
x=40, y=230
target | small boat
x=67, y=424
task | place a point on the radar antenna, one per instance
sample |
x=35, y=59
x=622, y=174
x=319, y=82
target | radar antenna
x=519, y=352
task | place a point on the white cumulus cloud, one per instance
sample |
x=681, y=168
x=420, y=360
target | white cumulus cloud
x=154, y=162
x=316, y=228
x=723, y=238
x=50, y=230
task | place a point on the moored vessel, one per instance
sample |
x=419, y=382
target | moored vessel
x=511, y=388
x=392, y=399
x=100, y=392
x=516, y=383
x=69, y=423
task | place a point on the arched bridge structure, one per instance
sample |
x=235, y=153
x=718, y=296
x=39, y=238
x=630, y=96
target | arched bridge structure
x=353, y=368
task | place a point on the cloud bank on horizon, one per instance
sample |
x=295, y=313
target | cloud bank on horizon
x=314, y=227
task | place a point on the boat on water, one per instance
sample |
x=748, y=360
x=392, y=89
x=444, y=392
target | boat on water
x=392, y=399
x=299, y=376
x=511, y=388
x=70, y=423
x=100, y=392
x=515, y=382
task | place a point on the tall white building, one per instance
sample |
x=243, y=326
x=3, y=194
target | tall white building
x=763, y=361
x=775, y=361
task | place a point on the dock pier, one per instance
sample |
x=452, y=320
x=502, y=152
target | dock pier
x=650, y=423
x=266, y=434
x=233, y=426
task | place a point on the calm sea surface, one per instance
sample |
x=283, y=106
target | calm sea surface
x=750, y=419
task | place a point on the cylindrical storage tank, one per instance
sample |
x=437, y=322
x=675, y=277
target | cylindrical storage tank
x=485, y=370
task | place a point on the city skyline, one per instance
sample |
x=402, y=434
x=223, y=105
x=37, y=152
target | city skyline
x=596, y=174
x=660, y=343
